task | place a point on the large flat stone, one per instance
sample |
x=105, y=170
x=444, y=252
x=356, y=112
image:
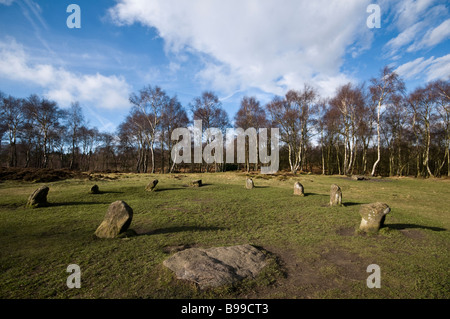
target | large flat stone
x=218, y=266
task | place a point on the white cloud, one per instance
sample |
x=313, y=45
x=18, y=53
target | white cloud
x=61, y=85
x=411, y=69
x=420, y=25
x=6, y=2
x=440, y=69
x=405, y=37
x=269, y=45
x=433, y=36
x=431, y=69
x=409, y=12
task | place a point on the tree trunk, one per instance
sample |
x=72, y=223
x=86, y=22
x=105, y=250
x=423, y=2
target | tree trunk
x=399, y=159
x=337, y=157
x=45, y=161
x=378, y=141
x=290, y=159
x=153, y=158
x=427, y=153
x=448, y=162
x=323, y=155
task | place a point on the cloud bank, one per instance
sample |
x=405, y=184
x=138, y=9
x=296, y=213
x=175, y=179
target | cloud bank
x=263, y=44
x=61, y=85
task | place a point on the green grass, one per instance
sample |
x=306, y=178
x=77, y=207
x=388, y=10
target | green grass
x=315, y=250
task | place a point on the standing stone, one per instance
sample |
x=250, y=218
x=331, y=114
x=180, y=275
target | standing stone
x=298, y=189
x=335, y=196
x=151, y=186
x=95, y=189
x=249, y=184
x=38, y=198
x=373, y=216
x=117, y=220
x=197, y=183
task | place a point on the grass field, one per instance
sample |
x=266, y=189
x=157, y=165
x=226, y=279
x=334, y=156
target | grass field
x=315, y=251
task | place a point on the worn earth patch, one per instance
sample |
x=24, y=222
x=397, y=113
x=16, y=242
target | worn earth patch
x=308, y=277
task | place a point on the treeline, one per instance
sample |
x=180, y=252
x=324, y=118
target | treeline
x=376, y=128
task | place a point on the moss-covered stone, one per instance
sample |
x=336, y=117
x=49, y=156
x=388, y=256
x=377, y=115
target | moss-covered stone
x=373, y=216
x=117, y=220
x=151, y=186
x=38, y=198
x=335, y=195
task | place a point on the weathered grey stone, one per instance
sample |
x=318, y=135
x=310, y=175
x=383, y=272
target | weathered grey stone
x=95, y=189
x=197, y=183
x=298, y=189
x=373, y=216
x=38, y=198
x=249, y=184
x=117, y=220
x=151, y=186
x=335, y=195
x=218, y=266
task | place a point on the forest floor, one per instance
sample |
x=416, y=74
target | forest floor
x=315, y=251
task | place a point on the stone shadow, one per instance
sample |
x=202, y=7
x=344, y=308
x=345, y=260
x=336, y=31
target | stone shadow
x=53, y=204
x=167, y=189
x=315, y=194
x=179, y=229
x=409, y=226
x=106, y=192
x=351, y=204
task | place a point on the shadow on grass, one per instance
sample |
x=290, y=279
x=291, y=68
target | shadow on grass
x=191, y=186
x=105, y=192
x=179, y=229
x=408, y=226
x=167, y=189
x=75, y=204
x=315, y=194
x=351, y=204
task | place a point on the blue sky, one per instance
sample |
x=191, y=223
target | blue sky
x=235, y=48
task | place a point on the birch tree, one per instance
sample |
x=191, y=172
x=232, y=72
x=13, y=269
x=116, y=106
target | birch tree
x=382, y=89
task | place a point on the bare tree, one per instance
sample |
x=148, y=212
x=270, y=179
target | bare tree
x=382, y=89
x=425, y=104
x=90, y=138
x=292, y=115
x=133, y=132
x=75, y=120
x=349, y=101
x=12, y=118
x=395, y=122
x=150, y=101
x=45, y=114
x=442, y=93
x=173, y=116
x=250, y=115
x=208, y=109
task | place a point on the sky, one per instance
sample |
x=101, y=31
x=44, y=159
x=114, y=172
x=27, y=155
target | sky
x=235, y=48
